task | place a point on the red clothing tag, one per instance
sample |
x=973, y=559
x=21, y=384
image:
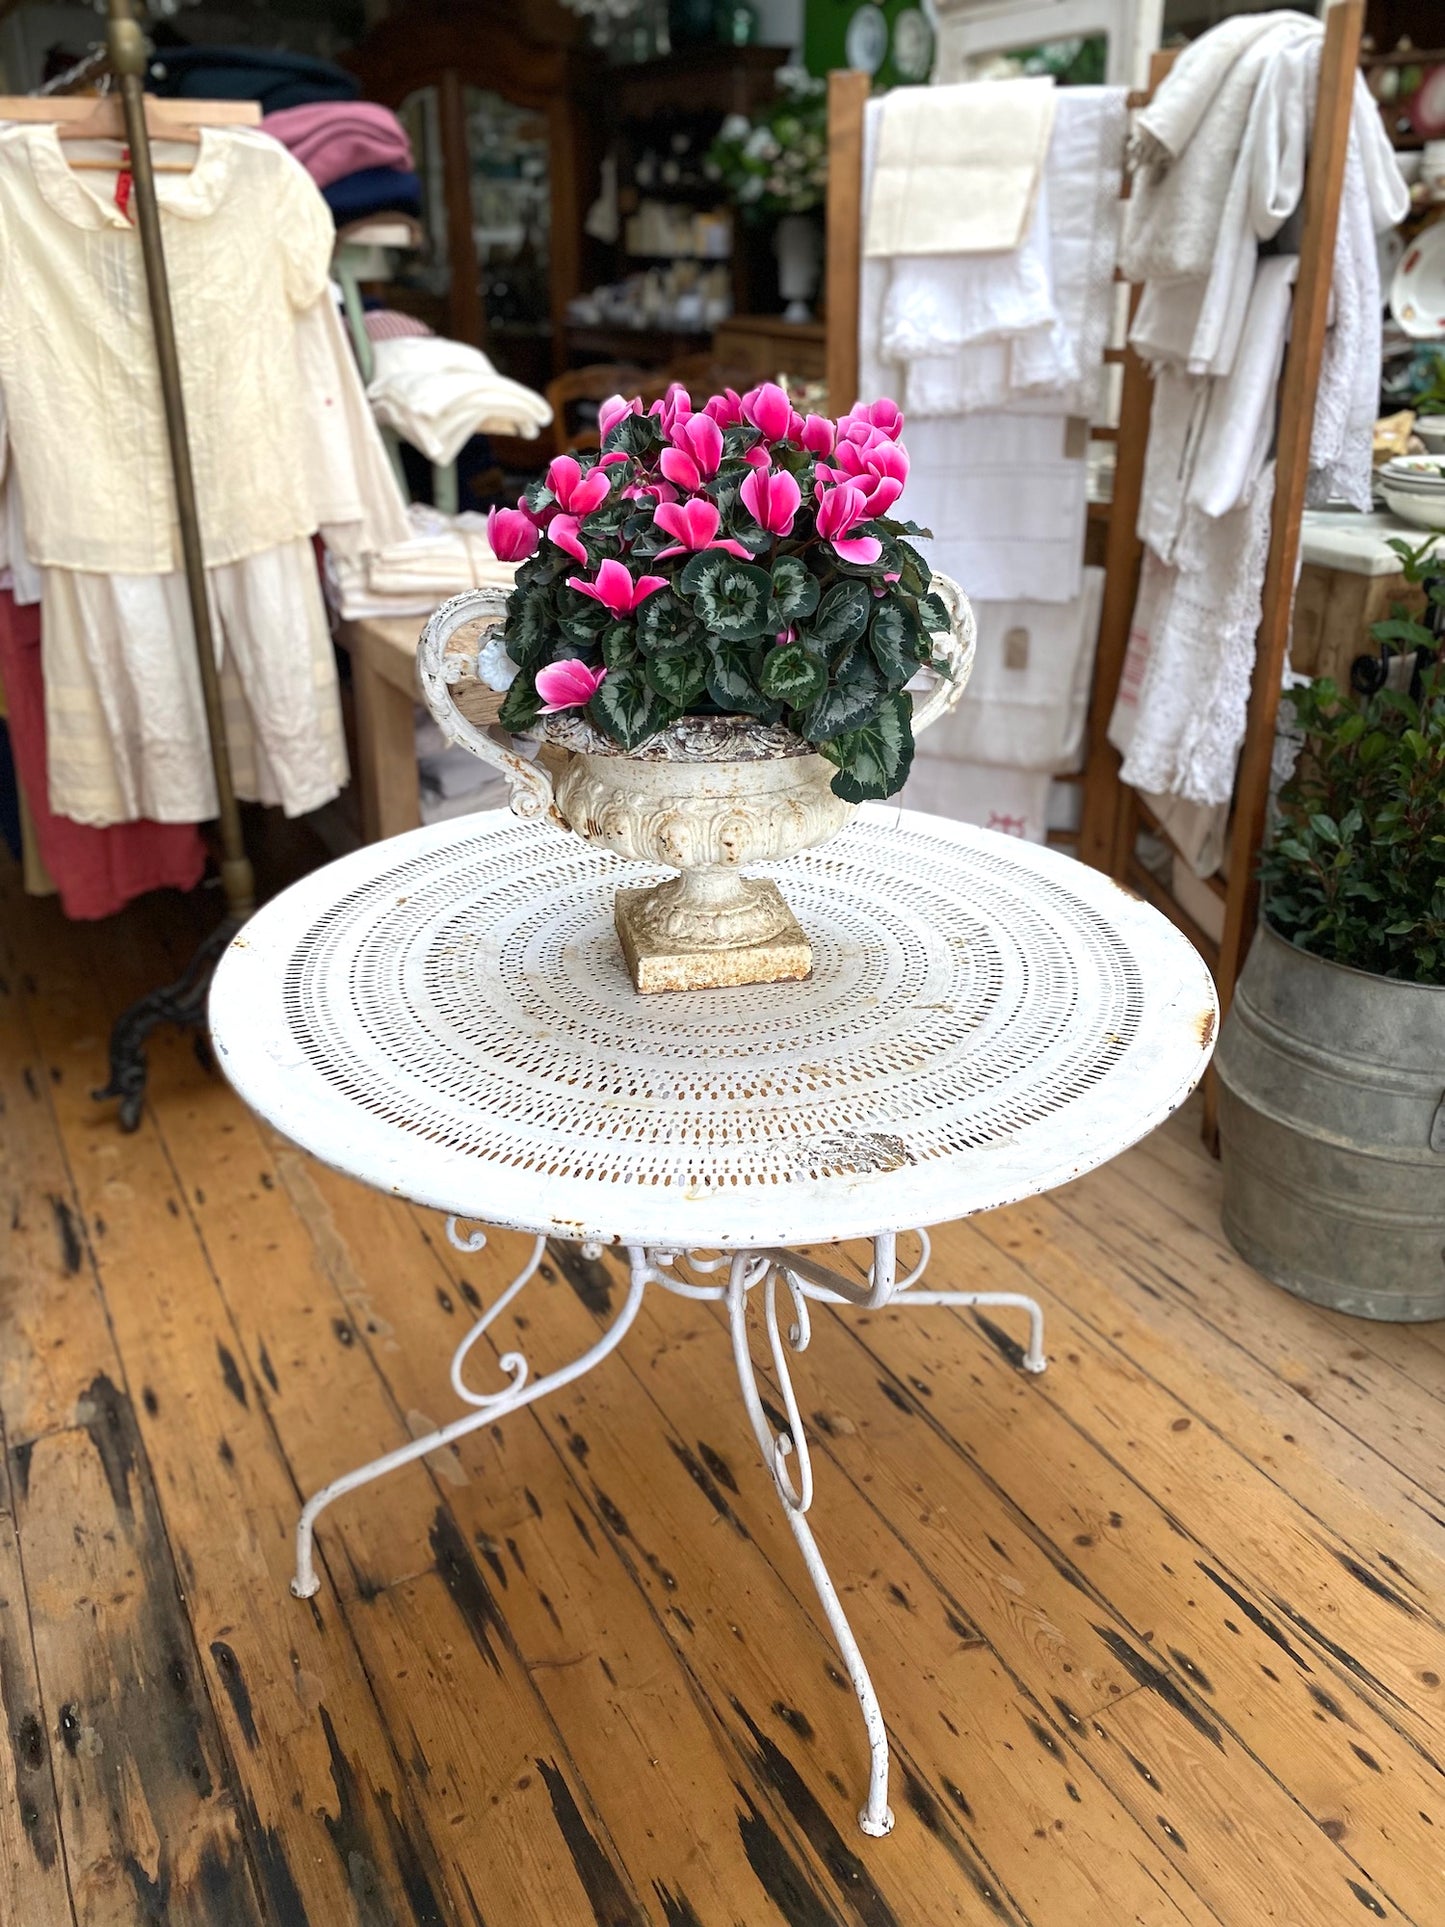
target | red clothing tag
x=124, y=181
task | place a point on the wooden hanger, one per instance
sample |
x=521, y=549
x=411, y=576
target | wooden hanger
x=99, y=117
x=106, y=122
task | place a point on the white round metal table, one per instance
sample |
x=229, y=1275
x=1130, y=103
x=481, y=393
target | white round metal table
x=447, y=1016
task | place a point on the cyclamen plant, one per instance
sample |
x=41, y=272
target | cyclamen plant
x=737, y=560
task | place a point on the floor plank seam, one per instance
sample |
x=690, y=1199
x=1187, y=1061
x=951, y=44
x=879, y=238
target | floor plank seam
x=806, y=1607
x=1106, y=1605
x=1108, y=1341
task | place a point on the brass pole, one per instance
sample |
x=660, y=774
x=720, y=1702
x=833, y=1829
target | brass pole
x=128, y=61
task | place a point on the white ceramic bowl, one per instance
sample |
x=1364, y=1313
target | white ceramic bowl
x=1431, y=430
x=1422, y=511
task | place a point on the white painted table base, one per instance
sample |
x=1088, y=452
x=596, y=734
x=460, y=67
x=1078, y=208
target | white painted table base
x=447, y=1016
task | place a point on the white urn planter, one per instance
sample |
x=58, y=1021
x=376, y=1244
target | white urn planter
x=705, y=797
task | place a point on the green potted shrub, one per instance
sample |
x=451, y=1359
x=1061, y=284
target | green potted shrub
x=1332, y=1061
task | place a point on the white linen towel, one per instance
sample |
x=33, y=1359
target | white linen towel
x=1014, y=801
x=1005, y=500
x=1179, y=716
x=1027, y=699
x=441, y=556
x=958, y=167
x=1238, y=420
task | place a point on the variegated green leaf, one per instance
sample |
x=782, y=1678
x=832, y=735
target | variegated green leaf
x=844, y=706
x=793, y=676
x=679, y=678
x=666, y=623
x=732, y=679
x=729, y=598
x=874, y=759
x=795, y=590
x=628, y=710
x=842, y=614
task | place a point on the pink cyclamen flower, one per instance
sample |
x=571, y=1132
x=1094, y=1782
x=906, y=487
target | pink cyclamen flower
x=840, y=510
x=650, y=492
x=693, y=525
x=696, y=452
x=563, y=530
x=818, y=435
x=880, y=469
x=772, y=498
x=771, y=413
x=511, y=534
x=614, y=410
x=566, y=685
x=674, y=409
x=725, y=409
x=616, y=589
x=578, y=490
x=884, y=414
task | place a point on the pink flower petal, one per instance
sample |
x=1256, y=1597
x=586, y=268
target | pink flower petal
x=562, y=530
x=678, y=466
x=512, y=534
x=566, y=685
x=864, y=549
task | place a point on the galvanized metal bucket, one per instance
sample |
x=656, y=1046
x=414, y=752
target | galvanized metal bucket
x=1332, y=1132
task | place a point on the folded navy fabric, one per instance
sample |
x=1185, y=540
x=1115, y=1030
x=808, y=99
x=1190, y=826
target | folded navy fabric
x=277, y=80
x=373, y=190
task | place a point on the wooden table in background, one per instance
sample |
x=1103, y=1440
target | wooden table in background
x=384, y=683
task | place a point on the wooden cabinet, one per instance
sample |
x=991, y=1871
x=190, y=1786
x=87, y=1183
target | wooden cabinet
x=484, y=44
x=766, y=346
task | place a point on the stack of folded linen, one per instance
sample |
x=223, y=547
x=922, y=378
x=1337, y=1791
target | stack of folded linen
x=987, y=296
x=437, y=394
x=980, y=314
x=443, y=555
x=358, y=154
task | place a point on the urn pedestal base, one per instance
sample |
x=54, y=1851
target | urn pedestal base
x=662, y=956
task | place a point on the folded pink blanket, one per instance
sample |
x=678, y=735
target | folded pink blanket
x=332, y=138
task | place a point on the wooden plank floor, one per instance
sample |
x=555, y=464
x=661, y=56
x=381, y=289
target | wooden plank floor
x=1158, y=1637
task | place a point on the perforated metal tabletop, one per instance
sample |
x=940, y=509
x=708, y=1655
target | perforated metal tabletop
x=447, y=1015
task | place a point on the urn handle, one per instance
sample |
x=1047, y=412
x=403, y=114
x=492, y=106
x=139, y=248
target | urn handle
x=956, y=646
x=440, y=668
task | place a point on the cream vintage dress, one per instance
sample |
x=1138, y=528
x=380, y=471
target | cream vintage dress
x=282, y=444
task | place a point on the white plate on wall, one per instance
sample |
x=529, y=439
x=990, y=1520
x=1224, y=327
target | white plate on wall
x=1417, y=292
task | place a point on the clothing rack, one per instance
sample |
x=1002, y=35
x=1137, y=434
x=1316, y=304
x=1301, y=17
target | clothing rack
x=139, y=121
x=1113, y=811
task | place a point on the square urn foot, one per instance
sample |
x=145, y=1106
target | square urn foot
x=786, y=957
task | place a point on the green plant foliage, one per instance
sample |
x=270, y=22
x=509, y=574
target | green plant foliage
x=1355, y=867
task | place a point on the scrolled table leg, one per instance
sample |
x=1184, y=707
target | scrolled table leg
x=783, y=1451
x=521, y=1390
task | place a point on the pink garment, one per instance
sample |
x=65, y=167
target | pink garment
x=97, y=872
x=390, y=324
x=332, y=138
